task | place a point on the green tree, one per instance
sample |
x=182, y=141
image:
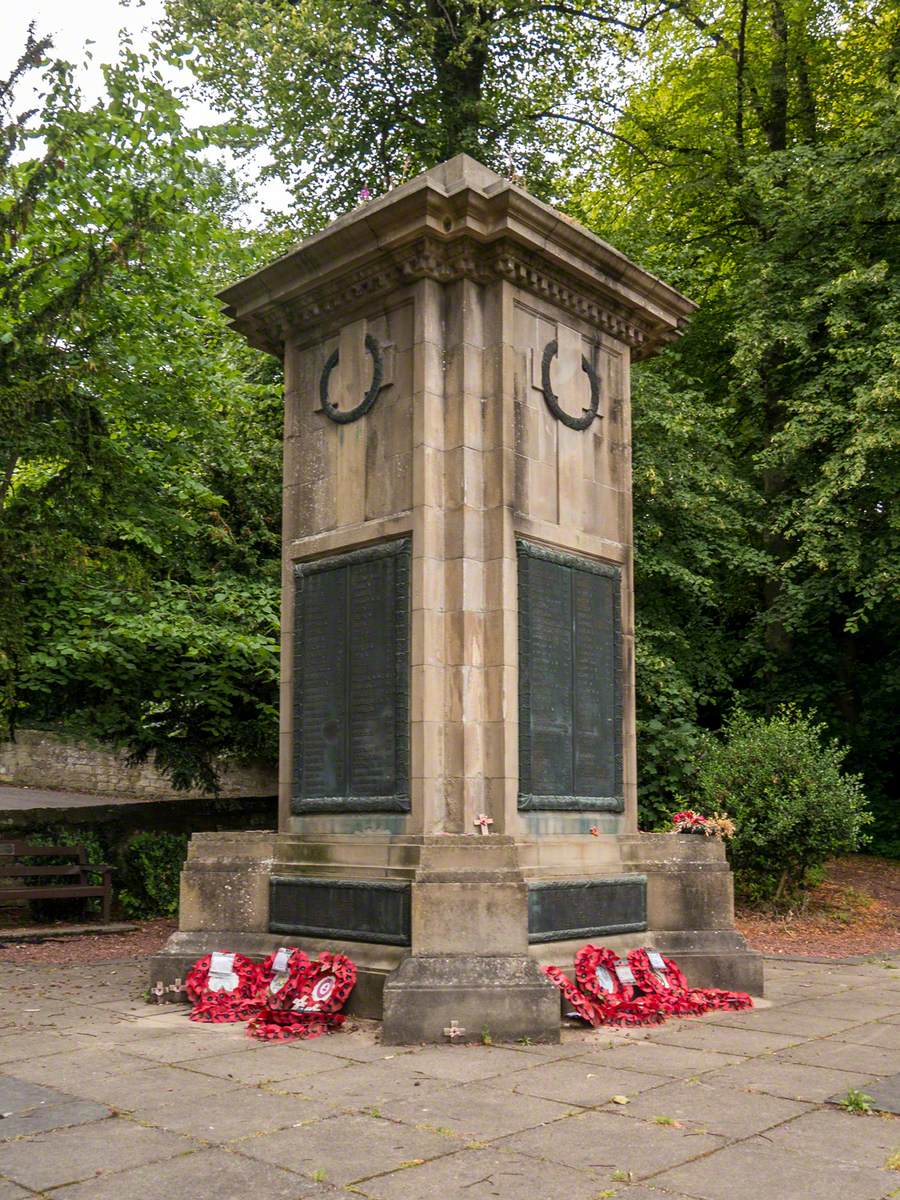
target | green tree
x=758, y=171
x=353, y=94
x=139, y=524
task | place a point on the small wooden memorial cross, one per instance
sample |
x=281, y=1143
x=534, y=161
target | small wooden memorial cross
x=453, y=1031
x=482, y=821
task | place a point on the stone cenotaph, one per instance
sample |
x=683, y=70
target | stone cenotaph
x=457, y=762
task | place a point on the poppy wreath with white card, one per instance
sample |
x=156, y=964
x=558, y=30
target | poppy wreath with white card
x=584, y=1007
x=275, y=973
x=653, y=971
x=222, y=988
x=609, y=983
x=660, y=976
x=309, y=1003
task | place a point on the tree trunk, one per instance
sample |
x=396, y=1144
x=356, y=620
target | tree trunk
x=460, y=56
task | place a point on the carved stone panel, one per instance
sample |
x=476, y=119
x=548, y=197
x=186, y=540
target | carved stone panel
x=351, y=671
x=570, y=682
x=346, y=909
x=560, y=910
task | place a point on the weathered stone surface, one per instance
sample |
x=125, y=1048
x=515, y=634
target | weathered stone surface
x=714, y=1107
x=87, y=1153
x=575, y=1081
x=757, y=1168
x=46, y=1115
x=472, y=1110
x=794, y=1081
x=832, y=1135
x=506, y=998
x=605, y=1142
x=487, y=1174
x=885, y=1094
x=451, y=1094
x=352, y=1148
x=204, y=1175
x=39, y=759
x=466, y=328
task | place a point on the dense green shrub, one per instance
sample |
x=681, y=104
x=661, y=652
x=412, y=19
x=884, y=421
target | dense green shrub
x=781, y=780
x=151, y=866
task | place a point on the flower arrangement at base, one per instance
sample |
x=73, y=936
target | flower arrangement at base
x=718, y=825
x=642, y=991
x=222, y=988
x=285, y=996
x=307, y=1002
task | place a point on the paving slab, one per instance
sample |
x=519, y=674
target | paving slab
x=718, y=1110
x=193, y=1042
x=833, y=1135
x=777, y=1076
x=19, y=1095
x=233, y=1116
x=875, y=1033
x=147, y=1089
x=204, y=1175
x=755, y=1169
x=51, y=1116
x=358, y=1085
x=12, y=1191
x=848, y=1006
x=22, y=1047
x=788, y=1022
x=726, y=1039
x=473, y=1111
x=77, y=1068
x=86, y=1153
x=886, y=1096
x=356, y=1046
x=608, y=1142
x=577, y=1082
x=266, y=1064
x=643, y=1192
x=843, y=1056
x=656, y=1059
x=484, y=1174
x=351, y=1148
x=462, y=1063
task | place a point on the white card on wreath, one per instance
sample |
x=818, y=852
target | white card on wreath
x=222, y=977
x=624, y=973
x=280, y=965
x=656, y=960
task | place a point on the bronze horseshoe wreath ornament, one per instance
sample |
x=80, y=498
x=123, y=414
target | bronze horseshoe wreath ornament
x=552, y=400
x=339, y=416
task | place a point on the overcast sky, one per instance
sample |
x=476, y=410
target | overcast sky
x=74, y=23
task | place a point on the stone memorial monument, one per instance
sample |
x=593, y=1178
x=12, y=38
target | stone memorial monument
x=457, y=764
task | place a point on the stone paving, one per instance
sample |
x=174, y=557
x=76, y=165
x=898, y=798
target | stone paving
x=105, y=1098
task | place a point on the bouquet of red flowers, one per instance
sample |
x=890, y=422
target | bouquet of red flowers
x=718, y=825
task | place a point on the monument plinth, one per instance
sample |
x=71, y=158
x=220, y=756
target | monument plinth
x=457, y=763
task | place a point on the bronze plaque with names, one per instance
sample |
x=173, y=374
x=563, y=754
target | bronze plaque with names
x=570, y=682
x=351, y=682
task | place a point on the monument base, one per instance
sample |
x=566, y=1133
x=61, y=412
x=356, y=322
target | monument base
x=469, y=999
x=456, y=927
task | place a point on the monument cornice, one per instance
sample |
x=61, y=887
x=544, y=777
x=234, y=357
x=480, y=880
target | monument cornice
x=459, y=220
x=271, y=324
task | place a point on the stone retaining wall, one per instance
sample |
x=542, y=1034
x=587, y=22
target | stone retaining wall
x=49, y=760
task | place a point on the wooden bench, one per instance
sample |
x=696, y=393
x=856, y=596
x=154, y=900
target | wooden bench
x=62, y=880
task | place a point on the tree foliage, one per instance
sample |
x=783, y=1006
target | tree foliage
x=746, y=153
x=759, y=173
x=353, y=94
x=138, y=443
